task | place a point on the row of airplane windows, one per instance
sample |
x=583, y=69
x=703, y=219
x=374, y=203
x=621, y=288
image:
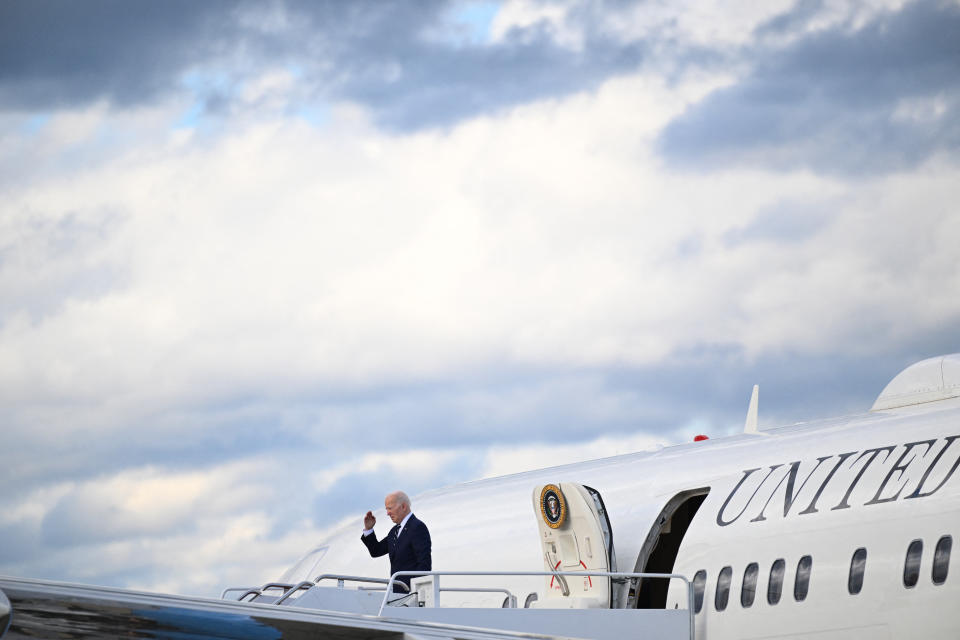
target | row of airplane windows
x=801, y=583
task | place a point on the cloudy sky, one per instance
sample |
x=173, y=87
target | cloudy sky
x=261, y=262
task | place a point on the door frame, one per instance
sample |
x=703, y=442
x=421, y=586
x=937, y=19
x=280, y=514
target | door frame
x=629, y=596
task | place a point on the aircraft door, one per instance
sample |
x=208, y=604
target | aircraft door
x=575, y=535
x=660, y=549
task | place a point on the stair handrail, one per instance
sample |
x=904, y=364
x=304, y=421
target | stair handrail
x=306, y=584
x=223, y=595
x=341, y=578
x=259, y=591
x=290, y=588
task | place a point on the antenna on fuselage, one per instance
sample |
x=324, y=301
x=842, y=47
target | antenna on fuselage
x=750, y=426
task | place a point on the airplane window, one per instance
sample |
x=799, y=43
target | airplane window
x=941, y=559
x=858, y=563
x=723, y=588
x=749, y=589
x=699, y=583
x=775, y=586
x=911, y=567
x=802, y=582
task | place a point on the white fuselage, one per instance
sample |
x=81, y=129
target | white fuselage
x=877, y=481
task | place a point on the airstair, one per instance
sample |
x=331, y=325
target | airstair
x=556, y=617
x=583, y=595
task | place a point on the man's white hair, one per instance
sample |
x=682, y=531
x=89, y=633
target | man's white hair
x=400, y=497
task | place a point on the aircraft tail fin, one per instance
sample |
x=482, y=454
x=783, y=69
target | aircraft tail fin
x=750, y=426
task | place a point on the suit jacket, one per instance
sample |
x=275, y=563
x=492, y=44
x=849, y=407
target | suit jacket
x=410, y=551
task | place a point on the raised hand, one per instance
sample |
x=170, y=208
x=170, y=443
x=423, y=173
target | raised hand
x=369, y=520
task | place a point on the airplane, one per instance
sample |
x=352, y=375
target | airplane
x=837, y=528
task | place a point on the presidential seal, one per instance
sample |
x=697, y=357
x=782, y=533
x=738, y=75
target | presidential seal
x=552, y=506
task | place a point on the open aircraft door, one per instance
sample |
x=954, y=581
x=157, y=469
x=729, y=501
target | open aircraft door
x=575, y=535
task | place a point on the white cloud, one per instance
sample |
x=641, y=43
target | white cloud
x=261, y=281
x=281, y=256
x=522, y=14
x=410, y=463
x=698, y=22
x=500, y=460
x=720, y=25
x=198, y=532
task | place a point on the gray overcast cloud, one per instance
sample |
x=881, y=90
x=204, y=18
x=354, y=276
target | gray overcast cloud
x=389, y=59
x=379, y=245
x=61, y=54
x=880, y=98
x=844, y=82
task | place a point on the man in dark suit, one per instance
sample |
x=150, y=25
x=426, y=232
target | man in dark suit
x=408, y=542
